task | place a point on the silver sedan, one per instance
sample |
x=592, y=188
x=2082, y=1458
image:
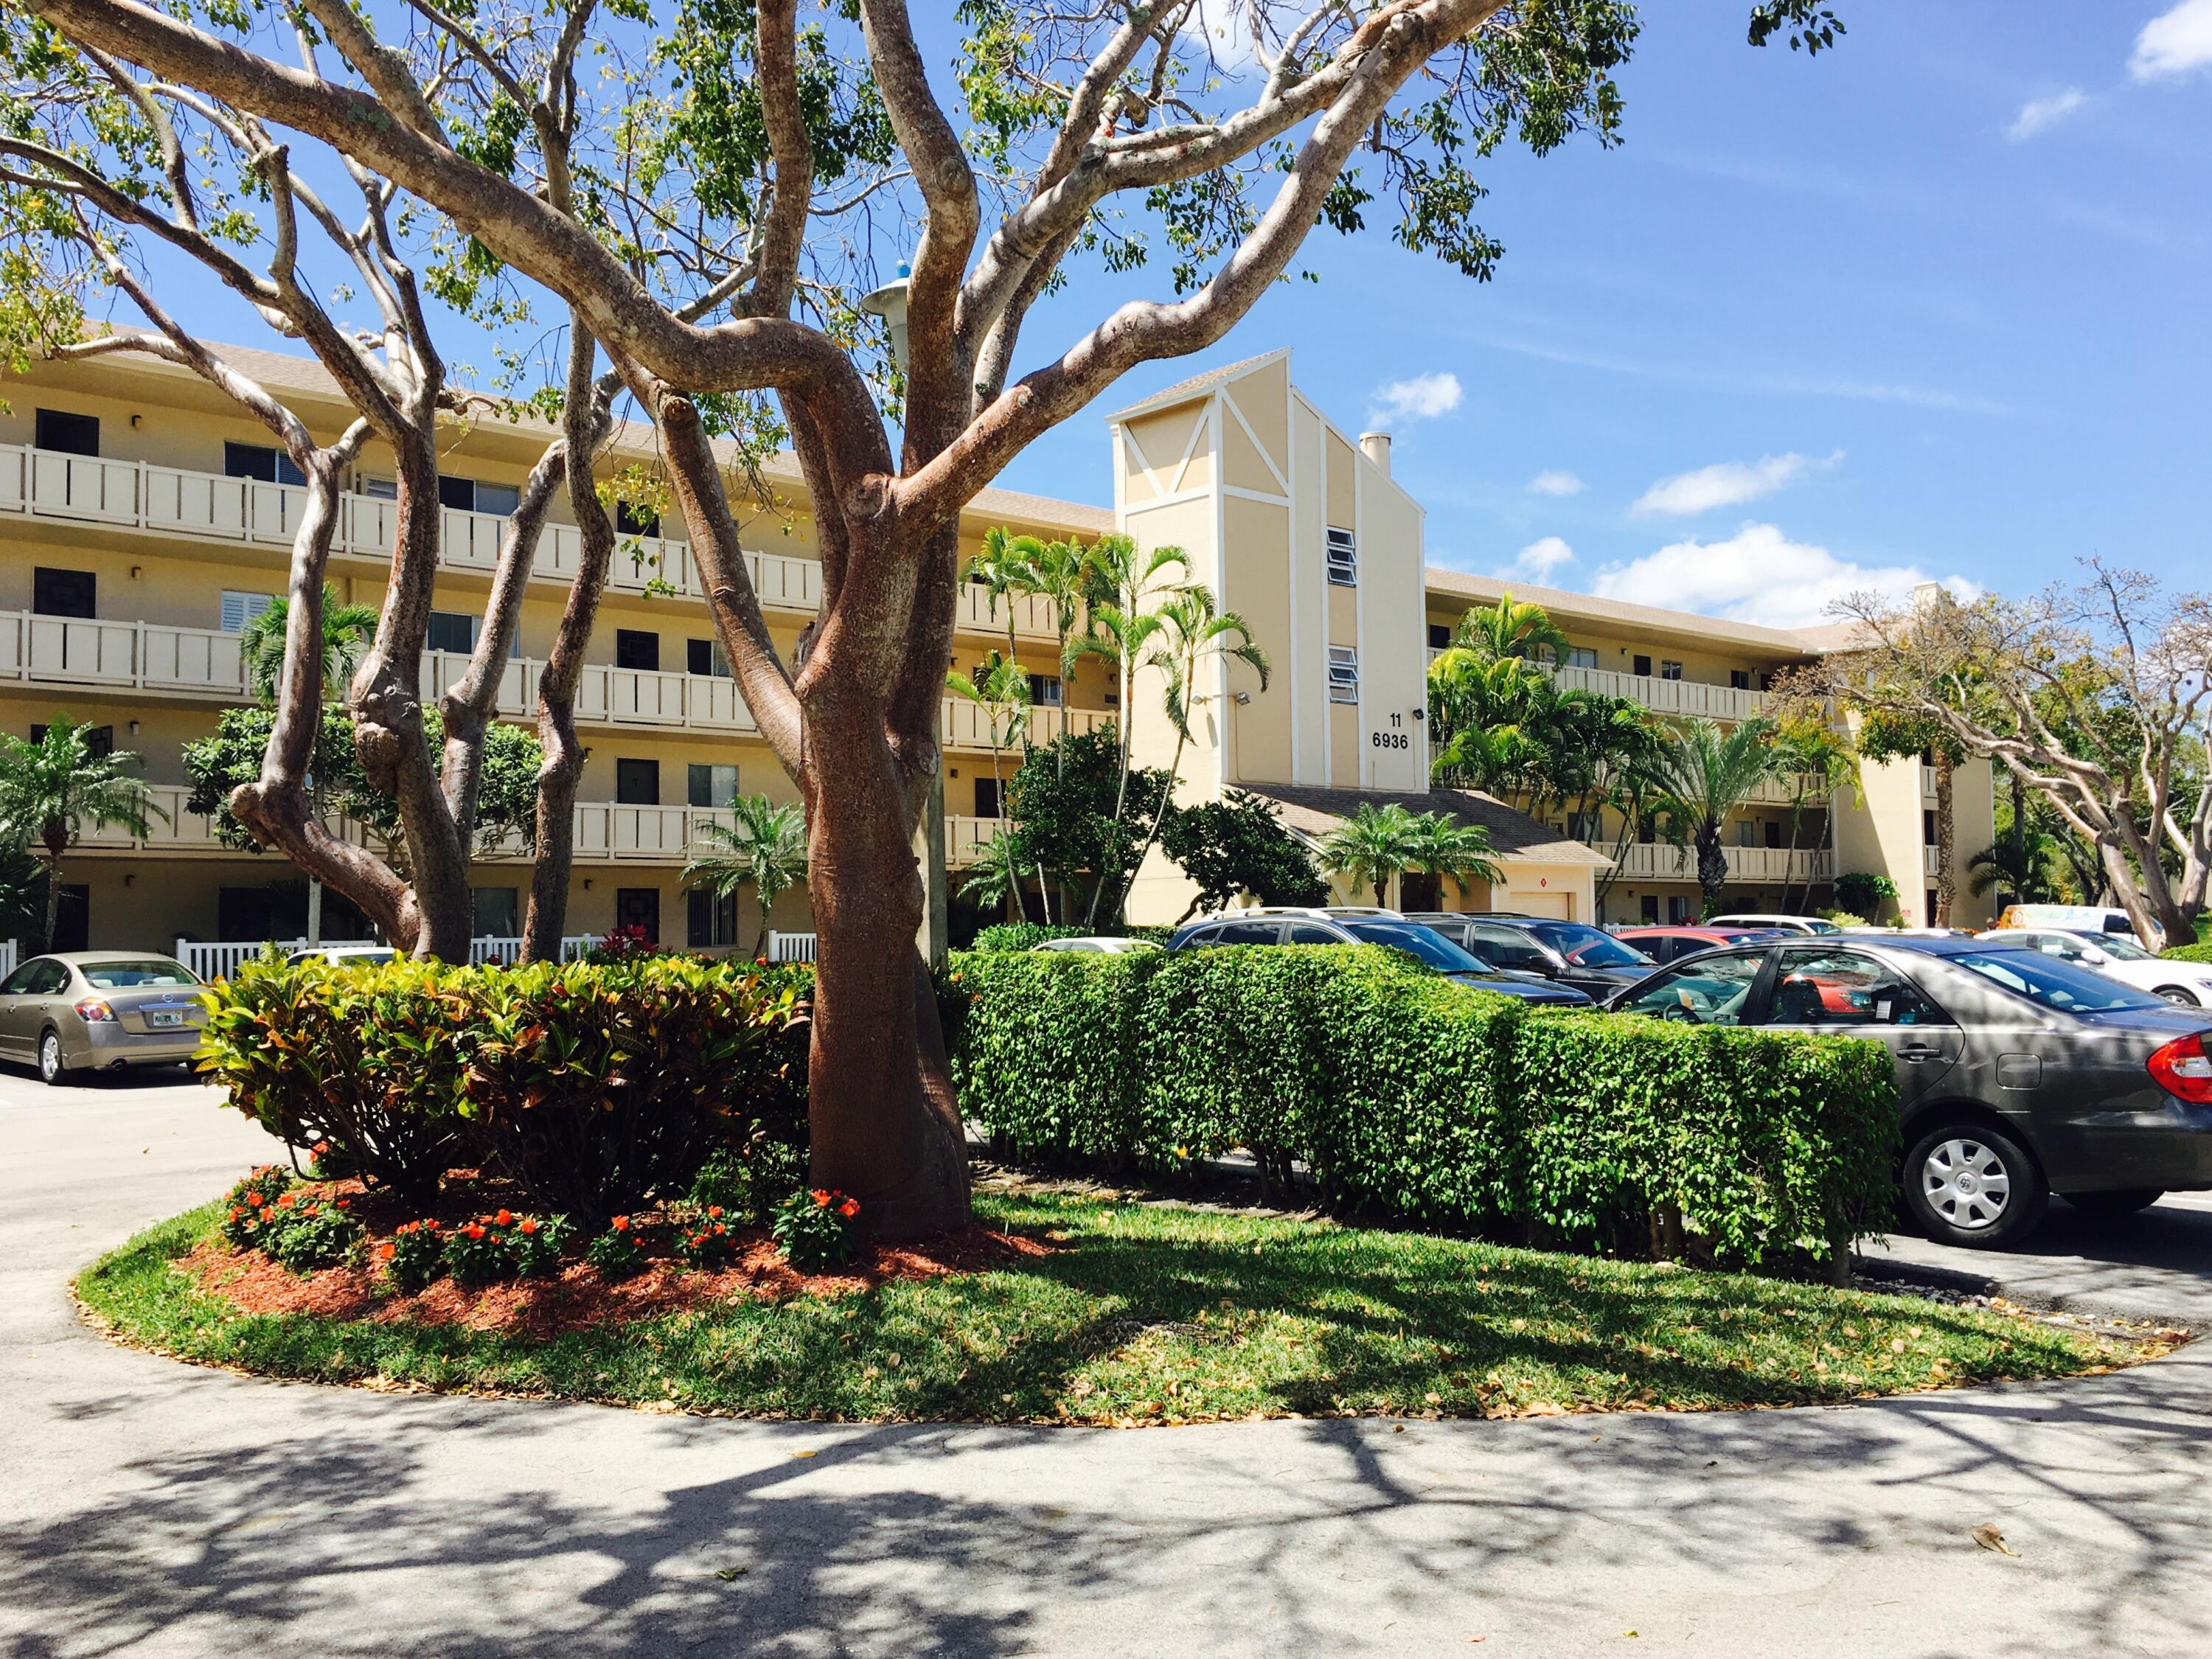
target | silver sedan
x=100, y=1009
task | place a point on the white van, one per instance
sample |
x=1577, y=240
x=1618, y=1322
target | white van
x=2072, y=919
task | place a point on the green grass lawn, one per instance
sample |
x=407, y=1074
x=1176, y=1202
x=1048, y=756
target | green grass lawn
x=1146, y=1313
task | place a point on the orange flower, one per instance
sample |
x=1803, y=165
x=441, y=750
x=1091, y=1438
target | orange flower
x=345, y=1204
x=713, y=1209
x=387, y=1251
x=255, y=1200
x=621, y=1224
x=236, y=1213
x=284, y=1202
x=475, y=1231
x=319, y=1148
x=503, y=1217
x=529, y=1225
x=850, y=1208
x=720, y=1230
x=821, y=1198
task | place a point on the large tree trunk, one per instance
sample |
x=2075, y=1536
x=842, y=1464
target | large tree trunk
x=875, y=1133
x=1946, y=877
x=1712, y=868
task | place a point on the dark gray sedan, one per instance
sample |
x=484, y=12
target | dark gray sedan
x=2018, y=1075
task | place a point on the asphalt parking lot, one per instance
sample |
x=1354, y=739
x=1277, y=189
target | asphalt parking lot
x=149, y=1508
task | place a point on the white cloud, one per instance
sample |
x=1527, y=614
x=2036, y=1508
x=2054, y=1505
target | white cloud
x=1726, y=484
x=1758, y=576
x=2037, y=114
x=1556, y=482
x=2174, y=42
x=1421, y=398
x=1536, y=562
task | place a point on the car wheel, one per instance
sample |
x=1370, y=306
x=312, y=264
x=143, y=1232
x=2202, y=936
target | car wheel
x=2179, y=993
x=2124, y=1202
x=50, y=1058
x=1974, y=1187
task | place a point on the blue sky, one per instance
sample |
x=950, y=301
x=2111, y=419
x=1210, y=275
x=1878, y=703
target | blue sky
x=1931, y=304
x=1914, y=330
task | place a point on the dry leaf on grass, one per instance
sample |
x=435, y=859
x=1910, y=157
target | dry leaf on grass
x=1991, y=1538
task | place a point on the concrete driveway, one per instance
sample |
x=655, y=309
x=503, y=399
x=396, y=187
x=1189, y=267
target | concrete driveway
x=149, y=1508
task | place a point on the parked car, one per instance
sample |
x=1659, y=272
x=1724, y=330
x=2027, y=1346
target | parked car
x=2018, y=1074
x=104, y=1010
x=2118, y=957
x=1779, y=924
x=362, y=955
x=2073, y=918
x=1364, y=926
x=1665, y=944
x=1583, y=958
x=1103, y=944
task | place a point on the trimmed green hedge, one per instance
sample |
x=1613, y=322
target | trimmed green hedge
x=594, y=1085
x=1027, y=935
x=2189, y=953
x=1406, y=1094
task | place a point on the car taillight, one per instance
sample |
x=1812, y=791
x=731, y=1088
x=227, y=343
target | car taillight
x=2183, y=1070
x=92, y=1011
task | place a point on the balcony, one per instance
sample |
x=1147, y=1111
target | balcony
x=1659, y=861
x=1689, y=698
x=205, y=506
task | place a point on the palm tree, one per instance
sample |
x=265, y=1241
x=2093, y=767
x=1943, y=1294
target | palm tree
x=1509, y=628
x=1000, y=689
x=1121, y=628
x=1819, y=760
x=1192, y=634
x=347, y=630
x=1378, y=844
x=1704, y=775
x=1002, y=570
x=51, y=790
x=764, y=849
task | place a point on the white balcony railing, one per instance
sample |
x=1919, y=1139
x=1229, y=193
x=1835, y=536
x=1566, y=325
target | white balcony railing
x=1686, y=697
x=790, y=947
x=1662, y=862
x=964, y=837
x=203, y=506
x=1931, y=862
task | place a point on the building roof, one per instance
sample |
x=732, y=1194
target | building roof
x=1313, y=811
x=1184, y=390
x=1646, y=619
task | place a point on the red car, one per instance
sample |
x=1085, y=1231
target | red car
x=1672, y=944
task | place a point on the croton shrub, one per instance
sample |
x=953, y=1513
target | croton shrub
x=595, y=1088
x=1407, y=1095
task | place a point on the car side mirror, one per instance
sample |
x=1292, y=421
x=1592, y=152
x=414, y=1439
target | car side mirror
x=2096, y=958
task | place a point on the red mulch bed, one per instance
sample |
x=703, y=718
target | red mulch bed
x=577, y=1297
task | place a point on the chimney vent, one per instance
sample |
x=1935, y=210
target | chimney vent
x=1375, y=445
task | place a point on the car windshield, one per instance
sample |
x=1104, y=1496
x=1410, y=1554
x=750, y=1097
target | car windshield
x=2120, y=949
x=2053, y=984
x=1586, y=947
x=125, y=976
x=1425, y=943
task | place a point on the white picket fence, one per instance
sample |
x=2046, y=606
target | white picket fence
x=790, y=947
x=211, y=960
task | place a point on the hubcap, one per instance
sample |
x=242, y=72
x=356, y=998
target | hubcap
x=1967, y=1183
x=50, y=1055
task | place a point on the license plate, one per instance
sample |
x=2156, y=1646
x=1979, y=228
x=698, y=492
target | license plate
x=159, y=1018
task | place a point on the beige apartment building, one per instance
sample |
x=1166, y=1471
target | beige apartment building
x=147, y=520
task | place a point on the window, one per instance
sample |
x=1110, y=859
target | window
x=639, y=907
x=468, y=496
x=1747, y=833
x=1343, y=558
x=1045, y=690
x=987, y=798
x=705, y=657
x=635, y=520
x=1928, y=828
x=41, y=978
x=1740, y=679
x=65, y=433
x=496, y=912
x=1246, y=932
x=380, y=489
x=1580, y=656
x=1774, y=834
x=637, y=782
x=1507, y=947
x=1710, y=992
x=1814, y=986
x=1647, y=908
x=1669, y=669
x=1439, y=636
x=452, y=630
x=64, y=592
x=240, y=608
x=98, y=742
x=262, y=461
x=1677, y=910
x=635, y=648
x=1642, y=663
x=1343, y=674
x=709, y=785
x=709, y=920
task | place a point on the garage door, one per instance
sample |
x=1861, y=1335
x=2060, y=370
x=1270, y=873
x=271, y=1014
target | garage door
x=1542, y=903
